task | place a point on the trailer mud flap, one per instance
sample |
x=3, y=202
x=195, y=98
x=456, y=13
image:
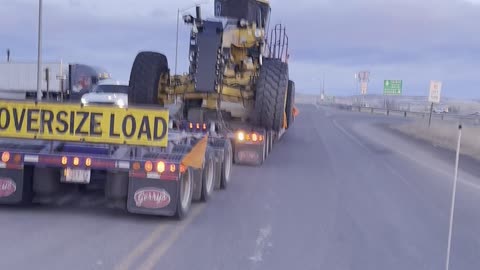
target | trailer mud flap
x=12, y=184
x=249, y=154
x=152, y=196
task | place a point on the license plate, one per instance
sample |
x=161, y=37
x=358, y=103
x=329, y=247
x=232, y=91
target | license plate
x=76, y=176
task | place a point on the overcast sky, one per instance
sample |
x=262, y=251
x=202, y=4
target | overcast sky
x=412, y=40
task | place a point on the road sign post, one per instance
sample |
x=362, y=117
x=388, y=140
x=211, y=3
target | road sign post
x=434, y=97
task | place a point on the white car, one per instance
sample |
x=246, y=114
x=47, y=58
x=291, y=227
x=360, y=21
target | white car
x=108, y=92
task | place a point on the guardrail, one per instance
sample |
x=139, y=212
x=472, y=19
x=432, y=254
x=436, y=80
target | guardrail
x=464, y=119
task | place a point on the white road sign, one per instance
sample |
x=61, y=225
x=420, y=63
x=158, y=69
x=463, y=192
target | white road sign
x=435, y=92
x=364, y=87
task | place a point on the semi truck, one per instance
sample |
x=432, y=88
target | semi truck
x=18, y=80
x=178, y=137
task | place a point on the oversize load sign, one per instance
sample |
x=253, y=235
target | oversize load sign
x=96, y=124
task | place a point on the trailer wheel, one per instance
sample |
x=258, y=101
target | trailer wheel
x=208, y=176
x=226, y=165
x=271, y=92
x=145, y=78
x=290, y=103
x=185, y=194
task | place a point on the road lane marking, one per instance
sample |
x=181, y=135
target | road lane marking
x=163, y=247
x=127, y=262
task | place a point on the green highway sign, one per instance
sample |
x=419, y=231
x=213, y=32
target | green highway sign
x=392, y=87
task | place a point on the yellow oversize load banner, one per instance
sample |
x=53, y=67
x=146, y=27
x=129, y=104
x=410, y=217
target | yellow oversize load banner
x=72, y=122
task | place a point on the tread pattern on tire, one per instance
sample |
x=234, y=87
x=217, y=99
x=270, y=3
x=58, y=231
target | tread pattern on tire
x=290, y=103
x=271, y=90
x=145, y=78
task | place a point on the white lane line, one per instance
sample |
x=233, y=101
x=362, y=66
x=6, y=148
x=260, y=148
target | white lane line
x=261, y=244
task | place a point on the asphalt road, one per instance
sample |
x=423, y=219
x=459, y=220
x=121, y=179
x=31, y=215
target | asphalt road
x=338, y=192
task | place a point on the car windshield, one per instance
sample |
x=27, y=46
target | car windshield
x=123, y=89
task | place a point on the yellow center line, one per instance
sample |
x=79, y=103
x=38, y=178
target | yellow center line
x=127, y=262
x=161, y=249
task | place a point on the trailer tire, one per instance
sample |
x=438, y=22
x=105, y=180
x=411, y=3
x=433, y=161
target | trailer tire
x=208, y=176
x=185, y=194
x=271, y=92
x=290, y=103
x=226, y=165
x=147, y=70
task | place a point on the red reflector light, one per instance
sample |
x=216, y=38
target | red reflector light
x=5, y=157
x=136, y=166
x=17, y=158
x=183, y=168
x=148, y=166
x=254, y=137
x=64, y=160
x=160, y=167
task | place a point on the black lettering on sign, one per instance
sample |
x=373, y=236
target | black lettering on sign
x=4, y=118
x=32, y=118
x=18, y=122
x=72, y=123
x=163, y=128
x=61, y=115
x=94, y=124
x=84, y=116
x=112, y=127
x=145, y=129
x=133, y=127
x=46, y=119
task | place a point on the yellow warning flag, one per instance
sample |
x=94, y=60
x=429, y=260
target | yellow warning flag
x=196, y=157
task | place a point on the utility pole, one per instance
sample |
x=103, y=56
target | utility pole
x=39, y=60
x=8, y=55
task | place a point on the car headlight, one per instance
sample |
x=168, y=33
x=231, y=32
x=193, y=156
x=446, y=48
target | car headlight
x=84, y=101
x=120, y=103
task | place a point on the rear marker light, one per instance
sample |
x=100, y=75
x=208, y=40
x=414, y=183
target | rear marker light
x=160, y=167
x=88, y=162
x=76, y=161
x=247, y=137
x=260, y=138
x=254, y=137
x=148, y=166
x=172, y=168
x=136, y=166
x=190, y=125
x=205, y=126
x=5, y=157
x=64, y=160
x=198, y=126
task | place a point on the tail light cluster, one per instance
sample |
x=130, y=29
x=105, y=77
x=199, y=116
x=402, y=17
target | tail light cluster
x=82, y=162
x=194, y=127
x=157, y=169
x=249, y=137
x=10, y=160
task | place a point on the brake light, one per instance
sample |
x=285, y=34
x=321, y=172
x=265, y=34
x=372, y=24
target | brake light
x=64, y=160
x=161, y=167
x=241, y=136
x=5, y=157
x=148, y=166
x=88, y=162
